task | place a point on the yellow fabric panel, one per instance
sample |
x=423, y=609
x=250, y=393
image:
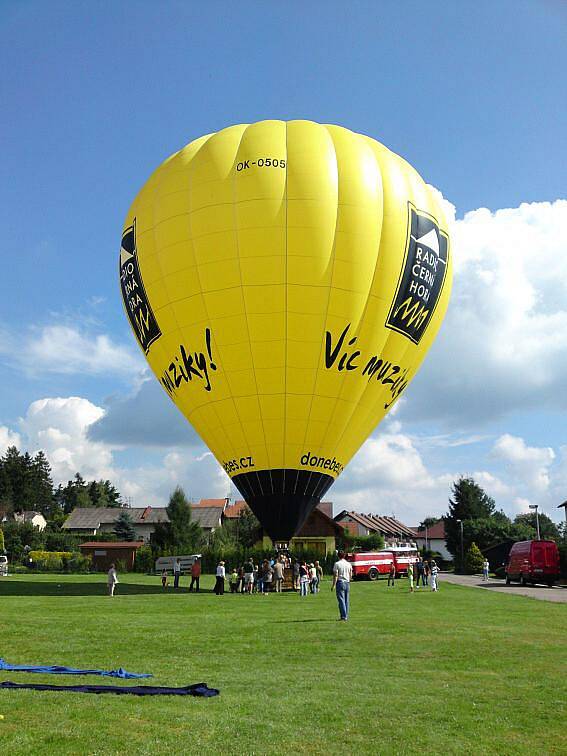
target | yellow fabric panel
x=296, y=275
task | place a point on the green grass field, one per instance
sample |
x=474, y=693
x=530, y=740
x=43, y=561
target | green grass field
x=460, y=671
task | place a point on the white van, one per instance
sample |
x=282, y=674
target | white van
x=3, y=565
x=186, y=562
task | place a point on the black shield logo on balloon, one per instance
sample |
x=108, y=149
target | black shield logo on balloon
x=422, y=276
x=142, y=319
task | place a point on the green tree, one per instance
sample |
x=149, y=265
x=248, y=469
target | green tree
x=42, y=499
x=74, y=495
x=103, y=494
x=548, y=530
x=1, y=541
x=468, y=502
x=429, y=522
x=124, y=527
x=18, y=535
x=248, y=528
x=179, y=535
x=473, y=560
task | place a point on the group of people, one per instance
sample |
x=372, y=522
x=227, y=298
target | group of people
x=268, y=576
x=422, y=570
x=195, y=575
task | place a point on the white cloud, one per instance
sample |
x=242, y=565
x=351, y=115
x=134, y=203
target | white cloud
x=65, y=349
x=8, y=438
x=503, y=345
x=529, y=465
x=388, y=476
x=58, y=426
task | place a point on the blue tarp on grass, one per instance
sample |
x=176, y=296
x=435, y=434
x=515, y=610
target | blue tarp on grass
x=57, y=670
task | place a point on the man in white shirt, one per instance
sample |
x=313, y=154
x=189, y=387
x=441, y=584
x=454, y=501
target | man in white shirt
x=220, y=575
x=342, y=575
x=112, y=580
x=176, y=573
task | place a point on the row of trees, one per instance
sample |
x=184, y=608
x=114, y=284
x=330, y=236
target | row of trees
x=26, y=483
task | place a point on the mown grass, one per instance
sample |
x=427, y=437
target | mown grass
x=460, y=671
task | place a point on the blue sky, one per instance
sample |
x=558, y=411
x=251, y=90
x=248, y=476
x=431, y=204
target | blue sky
x=95, y=95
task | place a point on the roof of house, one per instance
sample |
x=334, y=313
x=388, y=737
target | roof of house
x=310, y=523
x=374, y=523
x=111, y=544
x=235, y=510
x=90, y=518
x=221, y=503
x=207, y=517
x=435, y=531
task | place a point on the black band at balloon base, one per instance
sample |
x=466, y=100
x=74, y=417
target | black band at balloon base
x=282, y=499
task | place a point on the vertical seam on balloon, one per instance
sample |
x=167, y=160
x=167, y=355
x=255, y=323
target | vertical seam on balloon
x=234, y=195
x=190, y=229
x=361, y=318
x=333, y=254
x=286, y=311
x=390, y=335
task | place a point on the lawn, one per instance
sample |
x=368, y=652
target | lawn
x=461, y=671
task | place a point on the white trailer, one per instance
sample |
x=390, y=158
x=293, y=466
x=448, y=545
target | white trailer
x=186, y=562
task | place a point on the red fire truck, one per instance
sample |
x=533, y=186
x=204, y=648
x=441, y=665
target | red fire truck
x=372, y=564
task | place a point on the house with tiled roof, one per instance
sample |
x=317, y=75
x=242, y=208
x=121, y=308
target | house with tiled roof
x=433, y=538
x=92, y=521
x=359, y=524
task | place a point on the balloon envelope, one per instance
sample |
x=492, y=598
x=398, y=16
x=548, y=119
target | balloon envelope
x=285, y=280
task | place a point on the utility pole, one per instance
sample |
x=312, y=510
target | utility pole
x=536, y=506
x=462, y=546
x=564, y=505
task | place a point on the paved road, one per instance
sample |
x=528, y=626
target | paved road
x=557, y=593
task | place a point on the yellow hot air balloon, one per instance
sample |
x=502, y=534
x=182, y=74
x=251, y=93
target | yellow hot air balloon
x=285, y=280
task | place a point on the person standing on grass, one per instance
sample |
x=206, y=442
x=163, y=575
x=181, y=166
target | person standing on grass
x=248, y=576
x=176, y=573
x=267, y=576
x=392, y=575
x=112, y=580
x=312, y=578
x=164, y=578
x=295, y=568
x=220, y=575
x=233, y=581
x=434, y=572
x=485, y=568
x=425, y=578
x=342, y=575
x=319, y=571
x=195, y=575
x=303, y=578
x=410, y=576
x=419, y=571
x=278, y=575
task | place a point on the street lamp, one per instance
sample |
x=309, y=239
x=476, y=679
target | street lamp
x=564, y=507
x=535, y=506
x=462, y=546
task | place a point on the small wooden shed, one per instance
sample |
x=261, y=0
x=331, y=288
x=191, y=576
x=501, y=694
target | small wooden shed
x=105, y=553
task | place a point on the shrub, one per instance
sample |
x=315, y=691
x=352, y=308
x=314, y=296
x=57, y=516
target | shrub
x=49, y=561
x=79, y=563
x=473, y=560
x=144, y=560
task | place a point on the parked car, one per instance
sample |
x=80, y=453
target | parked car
x=533, y=562
x=3, y=565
